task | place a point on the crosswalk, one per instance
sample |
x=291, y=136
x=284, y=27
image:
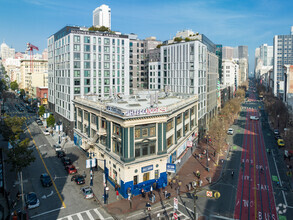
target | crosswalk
x=91, y=214
x=159, y=213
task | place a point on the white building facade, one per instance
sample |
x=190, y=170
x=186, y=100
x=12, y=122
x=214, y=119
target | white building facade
x=230, y=73
x=85, y=62
x=102, y=16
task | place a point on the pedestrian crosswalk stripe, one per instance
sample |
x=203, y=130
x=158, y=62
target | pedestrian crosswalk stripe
x=89, y=214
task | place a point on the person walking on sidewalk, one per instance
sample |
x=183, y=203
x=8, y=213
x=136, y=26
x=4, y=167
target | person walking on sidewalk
x=117, y=194
x=232, y=174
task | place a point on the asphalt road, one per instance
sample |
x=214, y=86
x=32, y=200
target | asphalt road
x=63, y=199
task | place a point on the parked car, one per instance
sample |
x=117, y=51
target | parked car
x=276, y=132
x=230, y=131
x=39, y=122
x=60, y=153
x=79, y=179
x=281, y=142
x=66, y=161
x=46, y=180
x=71, y=169
x=278, y=137
x=57, y=147
x=255, y=118
x=46, y=132
x=87, y=192
x=31, y=200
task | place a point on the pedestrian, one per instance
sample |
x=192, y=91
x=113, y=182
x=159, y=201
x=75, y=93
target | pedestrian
x=142, y=193
x=232, y=174
x=130, y=203
x=151, y=189
x=200, y=182
x=116, y=187
x=117, y=194
x=155, y=185
x=164, y=185
x=171, y=184
x=214, y=153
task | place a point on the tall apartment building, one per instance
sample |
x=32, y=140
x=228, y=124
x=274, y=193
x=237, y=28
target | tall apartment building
x=184, y=70
x=264, y=58
x=6, y=51
x=138, y=61
x=85, y=62
x=102, y=16
x=283, y=55
x=231, y=73
x=31, y=80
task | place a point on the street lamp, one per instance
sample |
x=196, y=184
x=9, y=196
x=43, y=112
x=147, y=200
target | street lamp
x=278, y=116
x=207, y=151
x=179, y=183
x=91, y=167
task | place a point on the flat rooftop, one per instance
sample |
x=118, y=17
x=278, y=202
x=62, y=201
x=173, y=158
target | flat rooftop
x=143, y=103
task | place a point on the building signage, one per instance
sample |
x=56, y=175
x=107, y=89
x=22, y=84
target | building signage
x=136, y=112
x=171, y=168
x=147, y=168
x=97, y=33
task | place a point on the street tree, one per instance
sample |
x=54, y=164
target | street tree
x=14, y=85
x=42, y=110
x=3, y=85
x=12, y=127
x=51, y=121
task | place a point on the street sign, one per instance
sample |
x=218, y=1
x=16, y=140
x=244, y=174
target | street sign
x=209, y=194
x=175, y=203
x=88, y=163
x=175, y=216
x=217, y=195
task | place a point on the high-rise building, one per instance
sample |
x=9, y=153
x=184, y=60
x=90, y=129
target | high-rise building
x=102, y=16
x=138, y=61
x=83, y=62
x=227, y=53
x=6, y=51
x=283, y=55
x=263, y=60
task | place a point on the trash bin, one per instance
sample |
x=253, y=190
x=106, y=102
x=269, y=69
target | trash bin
x=209, y=179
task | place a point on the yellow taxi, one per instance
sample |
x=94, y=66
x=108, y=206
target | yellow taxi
x=281, y=142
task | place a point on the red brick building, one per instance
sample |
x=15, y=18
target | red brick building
x=42, y=95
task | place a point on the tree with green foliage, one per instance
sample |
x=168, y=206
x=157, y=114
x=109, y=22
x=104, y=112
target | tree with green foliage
x=51, y=121
x=42, y=110
x=3, y=85
x=187, y=39
x=12, y=127
x=159, y=45
x=102, y=29
x=178, y=39
x=14, y=85
x=20, y=156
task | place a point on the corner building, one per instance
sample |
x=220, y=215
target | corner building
x=82, y=62
x=136, y=143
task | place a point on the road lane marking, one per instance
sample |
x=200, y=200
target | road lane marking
x=98, y=213
x=222, y=217
x=89, y=215
x=44, y=213
x=254, y=176
x=40, y=155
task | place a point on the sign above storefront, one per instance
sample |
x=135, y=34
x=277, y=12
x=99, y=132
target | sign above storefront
x=171, y=168
x=147, y=168
x=136, y=112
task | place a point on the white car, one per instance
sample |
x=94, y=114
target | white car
x=57, y=147
x=46, y=132
x=230, y=131
x=255, y=118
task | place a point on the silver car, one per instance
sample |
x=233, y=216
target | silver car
x=87, y=192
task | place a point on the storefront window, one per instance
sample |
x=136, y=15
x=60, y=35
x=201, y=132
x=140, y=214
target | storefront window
x=146, y=176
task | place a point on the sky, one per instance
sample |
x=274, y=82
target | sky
x=226, y=22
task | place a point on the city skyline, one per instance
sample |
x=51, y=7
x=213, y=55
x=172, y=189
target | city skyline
x=225, y=22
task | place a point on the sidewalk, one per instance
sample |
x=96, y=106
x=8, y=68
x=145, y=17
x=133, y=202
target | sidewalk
x=186, y=175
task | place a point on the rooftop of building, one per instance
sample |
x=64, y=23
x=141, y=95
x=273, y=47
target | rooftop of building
x=143, y=103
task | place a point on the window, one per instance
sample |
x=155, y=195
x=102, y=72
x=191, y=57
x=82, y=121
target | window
x=87, y=56
x=87, y=48
x=76, y=82
x=146, y=176
x=116, y=129
x=76, y=47
x=87, y=40
x=186, y=128
x=106, y=49
x=87, y=73
x=76, y=39
x=135, y=180
x=87, y=90
x=179, y=119
x=104, y=124
x=106, y=65
x=87, y=82
x=179, y=134
x=186, y=115
x=106, y=41
x=76, y=90
x=145, y=149
x=76, y=56
x=106, y=57
x=117, y=149
x=170, y=141
x=76, y=73
x=192, y=123
x=144, y=131
x=192, y=111
x=169, y=125
x=87, y=65
x=76, y=64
